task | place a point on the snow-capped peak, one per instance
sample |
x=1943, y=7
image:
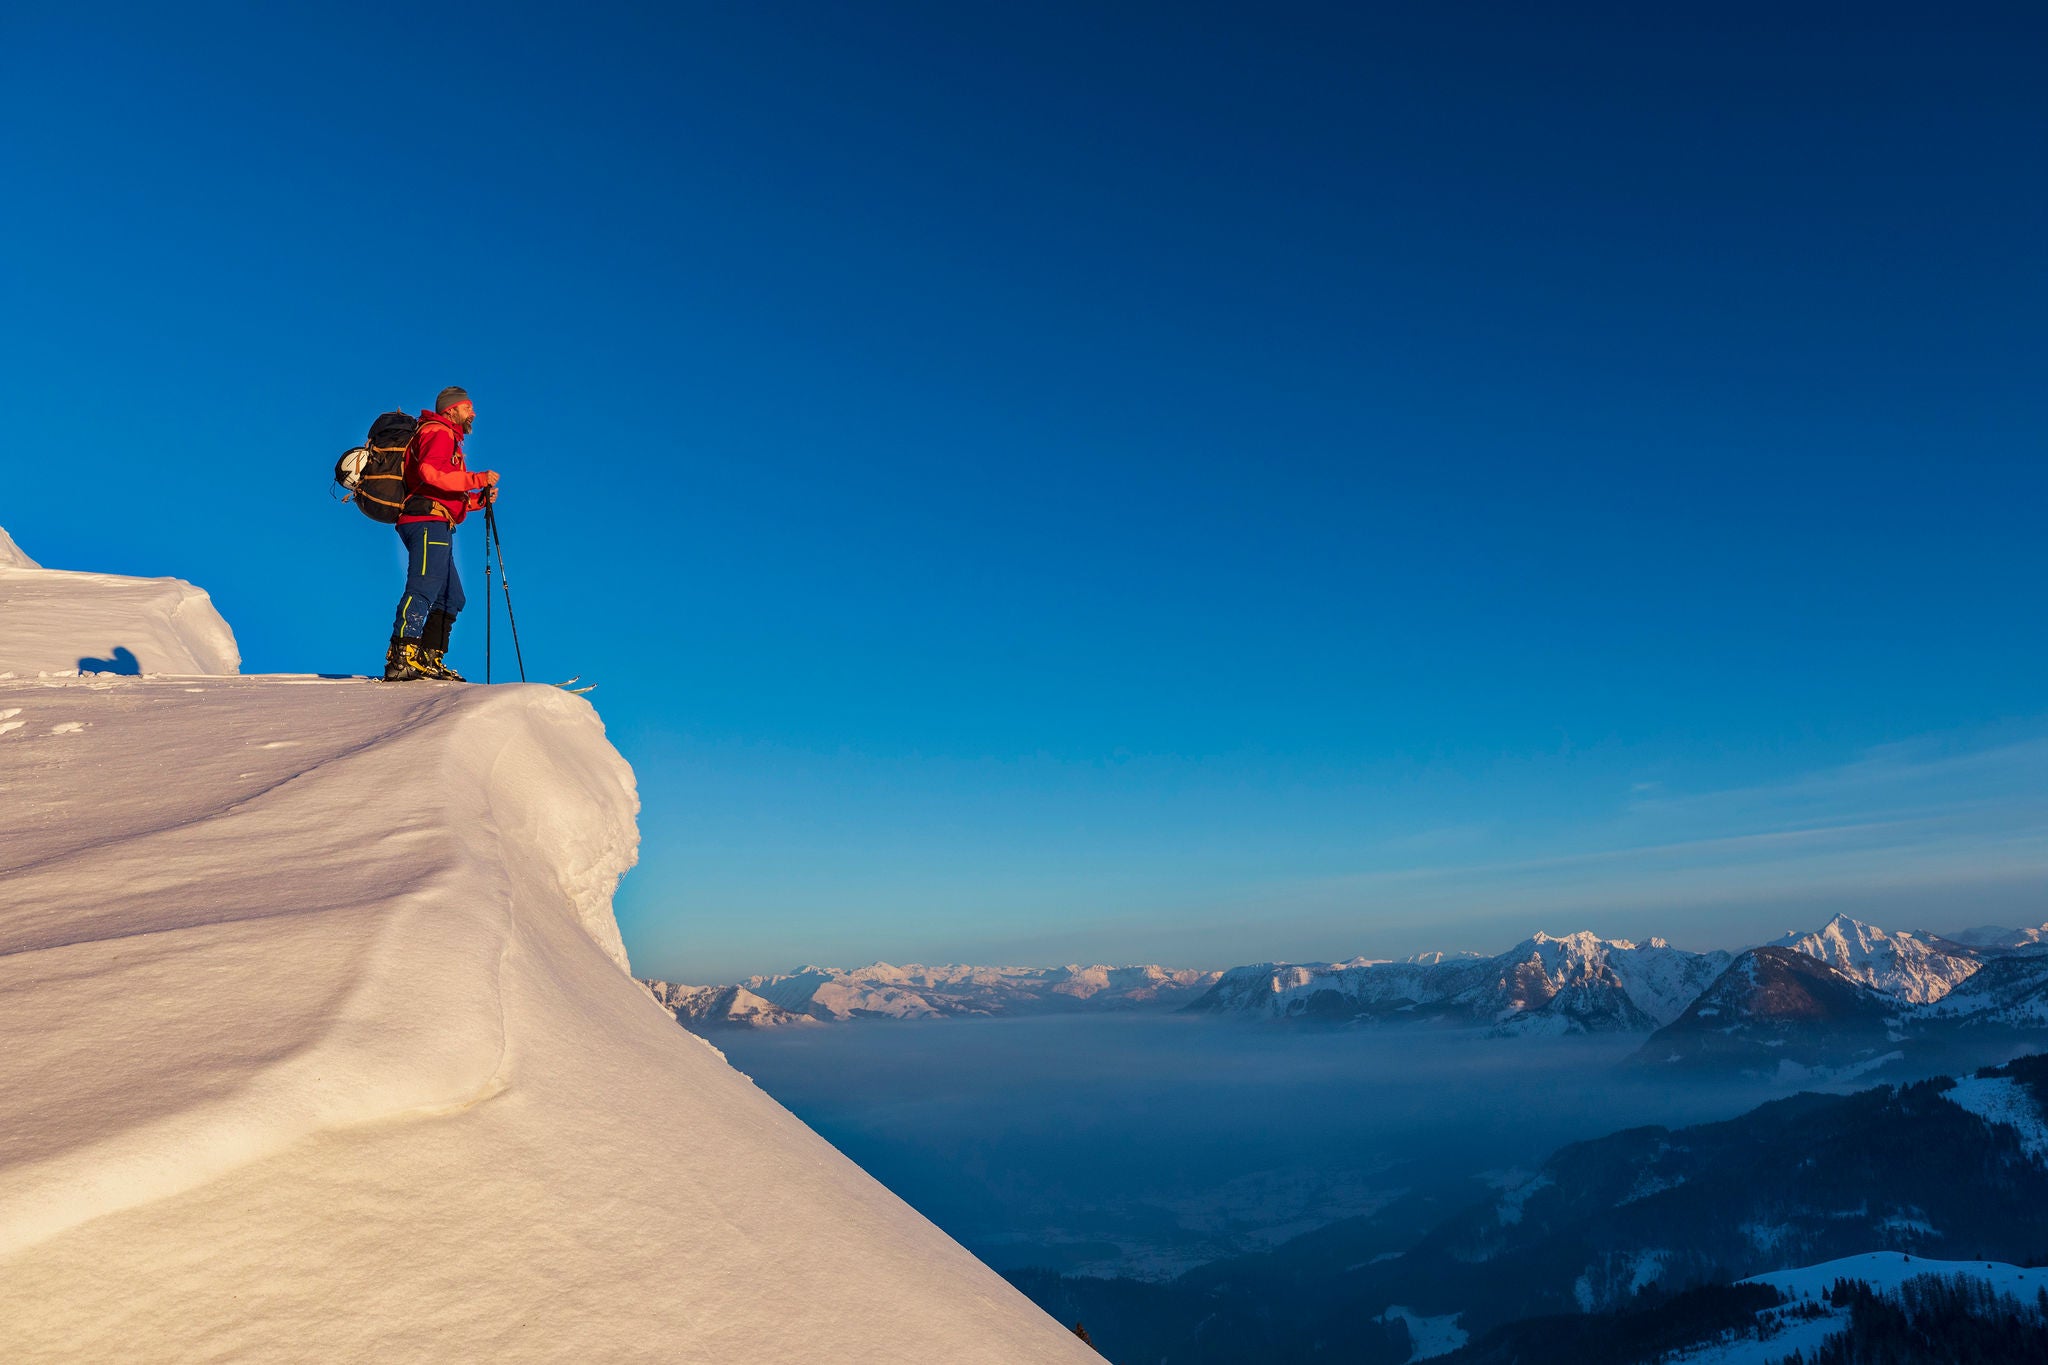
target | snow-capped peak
x=1584, y=941
x=1905, y=965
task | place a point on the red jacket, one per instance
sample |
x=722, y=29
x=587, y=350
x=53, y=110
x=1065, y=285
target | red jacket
x=434, y=470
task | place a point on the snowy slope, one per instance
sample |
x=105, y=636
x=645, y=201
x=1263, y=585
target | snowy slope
x=1912, y=967
x=1885, y=1271
x=53, y=621
x=2011, y=992
x=319, y=1044
x=1806, y=1289
x=2004, y=1100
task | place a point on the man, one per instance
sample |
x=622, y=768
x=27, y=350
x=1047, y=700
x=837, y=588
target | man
x=439, y=493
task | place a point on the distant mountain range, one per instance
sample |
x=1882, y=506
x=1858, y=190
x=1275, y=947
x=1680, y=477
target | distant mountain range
x=726, y=1006
x=1989, y=936
x=882, y=991
x=1834, y=1002
x=1543, y=985
x=1853, y=1000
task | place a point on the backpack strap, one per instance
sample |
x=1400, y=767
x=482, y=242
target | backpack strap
x=433, y=506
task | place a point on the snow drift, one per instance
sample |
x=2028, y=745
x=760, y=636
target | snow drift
x=320, y=1043
x=53, y=621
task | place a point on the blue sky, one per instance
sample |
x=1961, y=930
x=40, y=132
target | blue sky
x=1184, y=483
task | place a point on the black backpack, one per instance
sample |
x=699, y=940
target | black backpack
x=374, y=472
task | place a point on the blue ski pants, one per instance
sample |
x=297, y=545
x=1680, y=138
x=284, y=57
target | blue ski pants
x=431, y=582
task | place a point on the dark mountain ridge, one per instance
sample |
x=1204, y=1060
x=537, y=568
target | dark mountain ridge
x=1778, y=1012
x=1914, y=1168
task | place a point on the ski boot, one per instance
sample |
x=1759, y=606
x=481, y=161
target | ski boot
x=434, y=646
x=435, y=661
x=405, y=662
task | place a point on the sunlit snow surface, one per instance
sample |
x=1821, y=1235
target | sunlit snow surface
x=318, y=1044
x=52, y=621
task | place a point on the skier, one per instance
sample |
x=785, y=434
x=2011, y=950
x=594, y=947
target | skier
x=439, y=493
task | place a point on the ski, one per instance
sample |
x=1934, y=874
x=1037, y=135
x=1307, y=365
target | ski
x=579, y=691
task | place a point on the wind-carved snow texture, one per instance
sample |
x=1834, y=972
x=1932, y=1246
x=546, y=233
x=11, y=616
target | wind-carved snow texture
x=320, y=1043
x=2003, y=1100
x=1904, y=965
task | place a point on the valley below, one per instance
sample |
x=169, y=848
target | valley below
x=1386, y=1162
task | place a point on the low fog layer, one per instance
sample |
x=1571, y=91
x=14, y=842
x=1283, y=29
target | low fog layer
x=1145, y=1145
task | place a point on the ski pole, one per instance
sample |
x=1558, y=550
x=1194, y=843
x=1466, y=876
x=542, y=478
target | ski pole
x=488, y=612
x=505, y=582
